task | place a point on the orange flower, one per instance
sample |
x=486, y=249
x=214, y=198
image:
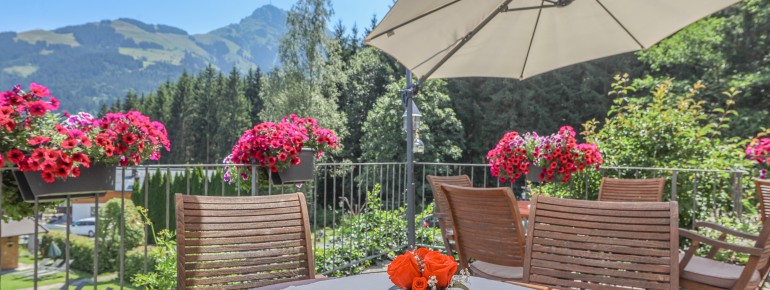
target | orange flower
x=421, y=252
x=441, y=266
x=403, y=270
x=419, y=283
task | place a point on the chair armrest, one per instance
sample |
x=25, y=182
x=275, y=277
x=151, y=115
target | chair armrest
x=717, y=243
x=728, y=231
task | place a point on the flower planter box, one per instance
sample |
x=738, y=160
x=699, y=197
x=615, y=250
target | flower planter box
x=302, y=172
x=534, y=173
x=95, y=180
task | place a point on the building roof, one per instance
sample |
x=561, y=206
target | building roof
x=19, y=228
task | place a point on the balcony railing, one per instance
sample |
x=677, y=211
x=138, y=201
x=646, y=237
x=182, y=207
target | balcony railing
x=357, y=209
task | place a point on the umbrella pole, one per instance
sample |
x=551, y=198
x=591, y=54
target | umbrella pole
x=408, y=94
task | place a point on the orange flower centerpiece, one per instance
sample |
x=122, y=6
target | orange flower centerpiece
x=424, y=269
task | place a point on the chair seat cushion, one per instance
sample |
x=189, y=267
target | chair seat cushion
x=715, y=273
x=503, y=272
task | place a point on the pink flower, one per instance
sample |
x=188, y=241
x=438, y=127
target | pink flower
x=39, y=90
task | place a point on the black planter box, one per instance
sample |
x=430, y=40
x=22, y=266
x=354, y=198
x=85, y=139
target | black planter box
x=299, y=173
x=92, y=181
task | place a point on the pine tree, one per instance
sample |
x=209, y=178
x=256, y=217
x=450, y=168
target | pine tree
x=252, y=90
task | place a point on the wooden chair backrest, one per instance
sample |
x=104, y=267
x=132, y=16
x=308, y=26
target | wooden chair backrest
x=242, y=242
x=763, y=192
x=594, y=245
x=761, y=263
x=487, y=225
x=442, y=206
x=616, y=189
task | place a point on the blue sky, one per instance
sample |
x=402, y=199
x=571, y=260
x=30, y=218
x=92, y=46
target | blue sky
x=194, y=16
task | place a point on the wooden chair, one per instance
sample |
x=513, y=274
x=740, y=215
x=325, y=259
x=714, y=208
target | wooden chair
x=705, y=273
x=242, y=242
x=615, y=189
x=763, y=191
x=602, y=245
x=488, y=231
x=441, y=210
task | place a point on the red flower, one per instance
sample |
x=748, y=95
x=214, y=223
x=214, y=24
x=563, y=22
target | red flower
x=403, y=270
x=37, y=108
x=419, y=283
x=75, y=172
x=15, y=156
x=62, y=171
x=282, y=156
x=69, y=143
x=38, y=140
x=48, y=176
x=2, y=161
x=129, y=139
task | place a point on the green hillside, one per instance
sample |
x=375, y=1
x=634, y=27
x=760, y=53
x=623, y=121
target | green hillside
x=96, y=63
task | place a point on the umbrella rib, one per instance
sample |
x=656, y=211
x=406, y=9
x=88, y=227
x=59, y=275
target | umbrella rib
x=412, y=20
x=621, y=24
x=465, y=40
x=531, y=40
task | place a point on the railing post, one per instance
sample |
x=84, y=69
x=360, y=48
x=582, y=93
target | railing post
x=673, y=186
x=253, y=180
x=738, y=194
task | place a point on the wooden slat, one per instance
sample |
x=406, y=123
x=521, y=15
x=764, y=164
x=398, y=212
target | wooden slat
x=242, y=262
x=245, y=270
x=230, y=213
x=276, y=276
x=606, y=212
x=243, y=247
x=245, y=206
x=230, y=200
x=243, y=219
x=259, y=225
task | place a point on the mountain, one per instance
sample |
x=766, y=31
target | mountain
x=96, y=63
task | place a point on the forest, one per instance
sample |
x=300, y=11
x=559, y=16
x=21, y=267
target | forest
x=353, y=89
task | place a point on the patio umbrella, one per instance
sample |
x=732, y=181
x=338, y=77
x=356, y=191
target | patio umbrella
x=523, y=38
x=519, y=39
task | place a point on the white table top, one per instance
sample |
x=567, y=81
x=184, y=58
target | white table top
x=380, y=281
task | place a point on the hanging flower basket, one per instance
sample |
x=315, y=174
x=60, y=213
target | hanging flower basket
x=95, y=180
x=285, y=150
x=302, y=172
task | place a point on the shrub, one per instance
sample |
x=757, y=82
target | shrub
x=135, y=261
x=110, y=236
x=163, y=256
x=81, y=249
x=369, y=230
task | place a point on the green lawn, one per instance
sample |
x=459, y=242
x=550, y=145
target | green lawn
x=15, y=281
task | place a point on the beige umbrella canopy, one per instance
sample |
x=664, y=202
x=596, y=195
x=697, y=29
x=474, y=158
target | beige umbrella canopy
x=523, y=38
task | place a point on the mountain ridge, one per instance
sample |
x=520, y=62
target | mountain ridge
x=95, y=63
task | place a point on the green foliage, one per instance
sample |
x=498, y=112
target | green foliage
x=440, y=129
x=163, y=256
x=668, y=129
x=109, y=233
x=368, y=230
x=305, y=85
x=81, y=250
x=135, y=261
x=727, y=50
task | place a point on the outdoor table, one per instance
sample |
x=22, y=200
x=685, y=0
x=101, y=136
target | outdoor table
x=380, y=281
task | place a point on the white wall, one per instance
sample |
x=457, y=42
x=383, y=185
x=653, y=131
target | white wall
x=82, y=210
